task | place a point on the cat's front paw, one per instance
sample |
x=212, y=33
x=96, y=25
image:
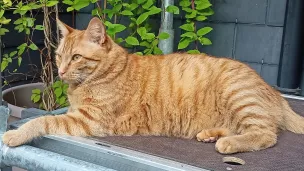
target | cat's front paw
x=14, y=138
x=226, y=145
x=206, y=137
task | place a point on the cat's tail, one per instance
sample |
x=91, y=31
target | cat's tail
x=292, y=121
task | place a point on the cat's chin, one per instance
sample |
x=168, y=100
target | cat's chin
x=68, y=81
x=71, y=82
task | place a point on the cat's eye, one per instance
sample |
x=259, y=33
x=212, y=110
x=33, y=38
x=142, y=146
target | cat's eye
x=76, y=57
x=58, y=55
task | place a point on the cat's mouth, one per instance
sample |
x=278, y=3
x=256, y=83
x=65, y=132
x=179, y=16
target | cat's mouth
x=71, y=80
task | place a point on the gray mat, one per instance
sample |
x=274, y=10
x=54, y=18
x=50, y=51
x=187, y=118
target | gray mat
x=286, y=155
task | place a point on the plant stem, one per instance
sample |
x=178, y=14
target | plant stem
x=104, y=7
x=195, y=42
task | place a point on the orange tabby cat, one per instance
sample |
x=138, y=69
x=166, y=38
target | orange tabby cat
x=112, y=92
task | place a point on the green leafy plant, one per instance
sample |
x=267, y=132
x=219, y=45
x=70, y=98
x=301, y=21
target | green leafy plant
x=26, y=23
x=196, y=10
x=58, y=88
x=141, y=36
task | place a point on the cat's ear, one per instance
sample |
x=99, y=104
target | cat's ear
x=64, y=29
x=96, y=31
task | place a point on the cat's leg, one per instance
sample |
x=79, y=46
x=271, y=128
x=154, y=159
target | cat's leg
x=212, y=135
x=253, y=138
x=78, y=123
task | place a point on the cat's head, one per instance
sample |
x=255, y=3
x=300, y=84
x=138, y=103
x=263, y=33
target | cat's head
x=80, y=51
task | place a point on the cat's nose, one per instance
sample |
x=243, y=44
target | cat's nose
x=61, y=73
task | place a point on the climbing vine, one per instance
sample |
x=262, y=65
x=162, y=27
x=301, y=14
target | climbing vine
x=134, y=18
x=196, y=10
x=139, y=13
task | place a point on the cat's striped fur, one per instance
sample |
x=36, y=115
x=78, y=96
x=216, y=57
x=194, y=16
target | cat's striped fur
x=112, y=92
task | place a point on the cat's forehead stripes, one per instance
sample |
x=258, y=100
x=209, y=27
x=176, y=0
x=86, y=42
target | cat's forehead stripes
x=70, y=42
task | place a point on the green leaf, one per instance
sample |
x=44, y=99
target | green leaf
x=23, y=45
x=51, y=3
x=68, y=2
x=118, y=28
x=187, y=9
x=8, y=2
x=117, y=8
x=119, y=40
x=164, y=35
x=204, y=31
x=36, y=98
x=126, y=5
x=25, y=8
x=9, y=60
x=139, y=53
x=65, y=88
x=132, y=6
x=172, y=9
x=21, y=48
x=203, y=5
x=201, y=18
x=33, y=96
x=148, y=36
x=36, y=6
x=155, y=42
x=70, y=9
x=36, y=91
x=132, y=40
x=141, y=1
x=62, y=100
x=191, y=15
x=18, y=21
x=141, y=31
x=148, y=51
x=58, y=92
x=184, y=43
x=1, y=13
x=96, y=11
x=30, y=22
x=148, y=4
x=39, y=27
x=80, y=5
x=145, y=44
x=142, y=18
x=205, y=41
x=187, y=27
x=3, y=20
x=3, y=31
x=185, y=3
x=57, y=84
x=193, y=52
x=206, y=12
x=27, y=31
x=33, y=46
x=107, y=23
x=4, y=64
x=157, y=51
x=19, y=61
x=189, y=34
x=126, y=12
x=154, y=10
x=12, y=54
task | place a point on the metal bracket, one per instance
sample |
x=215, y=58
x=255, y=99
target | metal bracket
x=4, y=114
